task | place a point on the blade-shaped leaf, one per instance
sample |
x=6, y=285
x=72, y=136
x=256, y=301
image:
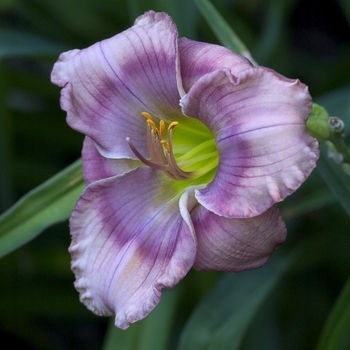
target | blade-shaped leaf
x=308, y=203
x=222, y=30
x=336, y=179
x=17, y=43
x=336, y=332
x=272, y=30
x=5, y=137
x=152, y=333
x=345, y=5
x=336, y=103
x=49, y=203
x=223, y=318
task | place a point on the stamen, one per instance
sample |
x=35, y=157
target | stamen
x=174, y=168
x=172, y=125
x=153, y=126
x=142, y=158
x=166, y=145
x=162, y=128
x=160, y=150
x=147, y=115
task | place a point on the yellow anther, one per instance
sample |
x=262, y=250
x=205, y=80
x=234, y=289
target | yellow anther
x=166, y=145
x=160, y=150
x=161, y=131
x=172, y=125
x=162, y=128
x=147, y=116
x=151, y=123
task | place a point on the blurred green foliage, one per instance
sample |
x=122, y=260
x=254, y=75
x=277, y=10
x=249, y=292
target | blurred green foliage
x=39, y=308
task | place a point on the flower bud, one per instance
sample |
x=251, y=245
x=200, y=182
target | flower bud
x=317, y=124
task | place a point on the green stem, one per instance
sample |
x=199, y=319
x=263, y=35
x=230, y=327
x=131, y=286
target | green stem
x=338, y=141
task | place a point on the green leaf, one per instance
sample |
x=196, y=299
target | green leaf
x=17, y=43
x=78, y=23
x=152, y=333
x=223, y=318
x=222, y=30
x=336, y=179
x=7, y=5
x=336, y=332
x=6, y=133
x=336, y=103
x=307, y=203
x=49, y=203
x=345, y=6
x=271, y=31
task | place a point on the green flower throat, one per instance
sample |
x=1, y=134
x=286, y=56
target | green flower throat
x=187, y=154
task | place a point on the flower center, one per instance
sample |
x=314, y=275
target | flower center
x=193, y=155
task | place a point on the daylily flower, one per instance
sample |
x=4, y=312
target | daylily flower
x=188, y=149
